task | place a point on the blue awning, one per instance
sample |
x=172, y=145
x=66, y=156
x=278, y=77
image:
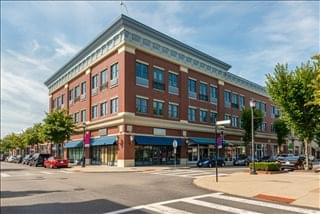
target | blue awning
x=73, y=144
x=202, y=141
x=160, y=141
x=105, y=140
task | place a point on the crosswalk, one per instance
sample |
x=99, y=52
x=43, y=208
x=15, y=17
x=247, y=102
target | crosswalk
x=215, y=203
x=186, y=173
x=34, y=173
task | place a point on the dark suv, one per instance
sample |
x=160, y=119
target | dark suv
x=38, y=159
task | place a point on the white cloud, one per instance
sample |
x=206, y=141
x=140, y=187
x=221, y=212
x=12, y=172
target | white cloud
x=64, y=48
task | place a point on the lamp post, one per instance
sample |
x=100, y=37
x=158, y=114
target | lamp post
x=84, y=126
x=219, y=123
x=253, y=170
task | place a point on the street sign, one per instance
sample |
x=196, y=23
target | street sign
x=175, y=144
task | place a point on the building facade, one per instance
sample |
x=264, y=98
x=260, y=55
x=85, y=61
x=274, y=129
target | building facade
x=138, y=90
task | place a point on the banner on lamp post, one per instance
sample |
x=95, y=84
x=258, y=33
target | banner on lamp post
x=87, y=139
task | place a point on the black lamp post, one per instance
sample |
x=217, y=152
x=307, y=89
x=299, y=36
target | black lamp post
x=253, y=169
x=84, y=126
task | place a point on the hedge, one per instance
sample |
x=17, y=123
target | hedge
x=266, y=166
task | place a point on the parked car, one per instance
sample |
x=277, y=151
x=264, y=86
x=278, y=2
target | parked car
x=268, y=159
x=18, y=159
x=53, y=162
x=241, y=161
x=3, y=157
x=26, y=159
x=292, y=162
x=11, y=158
x=38, y=159
x=210, y=162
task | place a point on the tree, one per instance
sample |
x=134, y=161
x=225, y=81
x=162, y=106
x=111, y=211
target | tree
x=58, y=127
x=34, y=135
x=316, y=82
x=12, y=141
x=246, y=122
x=291, y=92
x=281, y=130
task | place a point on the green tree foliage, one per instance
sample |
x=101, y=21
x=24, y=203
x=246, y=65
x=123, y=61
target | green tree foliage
x=33, y=135
x=12, y=141
x=291, y=91
x=316, y=81
x=246, y=122
x=58, y=126
x=281, y=130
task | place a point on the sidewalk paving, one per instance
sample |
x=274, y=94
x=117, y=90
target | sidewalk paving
x=297, y=188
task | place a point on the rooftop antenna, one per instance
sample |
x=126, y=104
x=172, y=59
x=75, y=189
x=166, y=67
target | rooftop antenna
x=122, y=4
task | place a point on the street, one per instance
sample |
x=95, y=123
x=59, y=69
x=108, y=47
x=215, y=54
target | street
x=27, y=189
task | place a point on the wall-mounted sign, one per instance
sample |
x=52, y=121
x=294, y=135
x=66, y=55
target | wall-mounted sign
x=102, y=132
x=160, y=132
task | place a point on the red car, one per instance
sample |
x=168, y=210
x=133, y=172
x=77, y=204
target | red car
x=53, y=162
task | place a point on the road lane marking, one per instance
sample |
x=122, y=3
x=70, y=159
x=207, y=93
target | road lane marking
x=45, y=172
x=266, y=204
x=219, y=207
x=4, y=175
x=66, y=172
x=164, y=209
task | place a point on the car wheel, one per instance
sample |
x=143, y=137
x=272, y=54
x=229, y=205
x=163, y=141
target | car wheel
x=223, y=164
x=210, y=165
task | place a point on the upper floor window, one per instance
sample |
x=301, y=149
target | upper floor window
x=192, y=88
x=77, y=92
x=191, y=114
x=227, y=99
x=264, y=127
x=94, y=111
x=103, y=109
x=83, y=116
x=227, y=117
x=142, y=74
x=213, y=94
x=173, y=110
x=274, y=112
x=173, y=83
x=83, y=88
x=242, y=102
x=158, y=79
x=114, y=74
x=94, y=84
x=235, y=121
x=114, y=105
x=71, y=95
x=235, y=100
x=158, y=108
x=141, y=105
x=76, y=117
x=203, y=116
x=103, y=79
x=213, y=117
x=203, y=95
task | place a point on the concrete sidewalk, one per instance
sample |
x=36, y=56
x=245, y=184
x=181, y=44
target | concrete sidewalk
x=297, y=188
x=112, y=169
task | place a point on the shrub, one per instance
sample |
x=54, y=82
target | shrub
x=266, y=166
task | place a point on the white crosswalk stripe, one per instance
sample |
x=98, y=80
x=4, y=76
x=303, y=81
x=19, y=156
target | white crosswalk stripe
x=192, y=173
x=34, y=173
x=66, y=172
x=45, y=172
x=198, y=203
x=4, y=175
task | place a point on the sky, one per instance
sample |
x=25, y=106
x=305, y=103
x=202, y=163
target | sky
x=37, y=38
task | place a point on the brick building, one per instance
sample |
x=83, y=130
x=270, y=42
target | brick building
x=138, y=89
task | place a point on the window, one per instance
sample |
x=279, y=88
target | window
x=173, y=83
x=227, y=117
x=274, y=112
x=71, y=95
x=141, y=105
x=227, y=99
x=173, y=111
x=114, y=105
x=273, y=130
x=103, y=109
x=94, y=112
x=157, y=108
x=213, y=94
x=235, y=100
x=142, y=74
x=242, y=102
x=235, y=121
x=77, y=92
x=76, y=117
x=83, y=116
x=203, y=116
x=264, y=127
x=83, y=88
x=191, y=114
x=103, y=79
x=114, y=74
x=94, y=81
x=192, y=88
x=158, y=79
x=203, y=92
x=213, y=117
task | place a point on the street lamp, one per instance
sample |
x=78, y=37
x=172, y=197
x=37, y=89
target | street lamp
x=253, y=170
x=84, y=126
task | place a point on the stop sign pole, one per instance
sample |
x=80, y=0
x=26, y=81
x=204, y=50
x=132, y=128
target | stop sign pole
x=219, y=123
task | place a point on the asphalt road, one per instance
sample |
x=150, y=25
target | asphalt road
x=27, y=189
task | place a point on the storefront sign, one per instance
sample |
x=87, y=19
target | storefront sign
x=159, y=132
x=102, y=132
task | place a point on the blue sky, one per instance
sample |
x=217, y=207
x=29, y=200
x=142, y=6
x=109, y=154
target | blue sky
x=37, y=38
